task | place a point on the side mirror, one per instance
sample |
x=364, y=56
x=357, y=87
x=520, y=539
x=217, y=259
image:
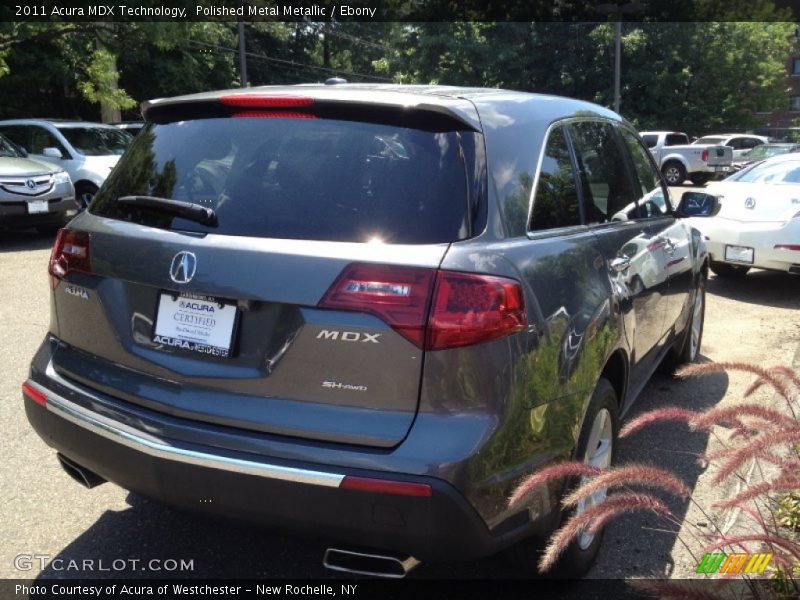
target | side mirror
x=52, y=152
x=698, y=204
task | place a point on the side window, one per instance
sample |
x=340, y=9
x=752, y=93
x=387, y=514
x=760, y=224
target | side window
x=651, y=201
x=17, y=134
x=555, y=203
x=735, y=143
x=676, y=139
x=650, y=139
x=607, y=189
x=41, y=138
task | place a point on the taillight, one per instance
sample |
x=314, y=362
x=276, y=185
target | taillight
x=795, y=247
x=704, y=155
x=465, y=308
x=266, y=101
x=70, y=253
x=397, y=295
x=469, y=308
x=31, y=392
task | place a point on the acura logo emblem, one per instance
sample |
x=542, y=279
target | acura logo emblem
x=750, y=203
x=183, y=266
x=30, y=183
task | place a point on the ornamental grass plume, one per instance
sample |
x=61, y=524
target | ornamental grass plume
x=630, y=475
x=757, y=434
x=595, y=517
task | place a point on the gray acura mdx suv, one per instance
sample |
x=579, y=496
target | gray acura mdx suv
x=366, y=312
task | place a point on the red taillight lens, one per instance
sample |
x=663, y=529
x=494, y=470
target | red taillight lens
x=398, y=295
x=795, y=247
x=704, y=155
x=34, y=394
x=266, y=101
x=469, y=308
x=385, y=486
x=466, y=308
x=70, y=253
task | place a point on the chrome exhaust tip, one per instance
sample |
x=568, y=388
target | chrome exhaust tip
x=80, y=474
x=369, y=563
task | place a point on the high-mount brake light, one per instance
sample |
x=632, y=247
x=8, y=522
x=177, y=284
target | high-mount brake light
x=266, y=101
x=272, y=114
x=465, y=308
x=71, y=252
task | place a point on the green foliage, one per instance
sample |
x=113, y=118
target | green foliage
x=789, y=511
x=699, y=77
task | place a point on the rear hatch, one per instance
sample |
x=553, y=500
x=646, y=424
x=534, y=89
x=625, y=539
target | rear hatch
x=291, y=296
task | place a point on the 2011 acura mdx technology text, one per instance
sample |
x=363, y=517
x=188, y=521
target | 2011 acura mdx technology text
x=367, y=312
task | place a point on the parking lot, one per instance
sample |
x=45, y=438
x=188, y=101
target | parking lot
x=45, y=513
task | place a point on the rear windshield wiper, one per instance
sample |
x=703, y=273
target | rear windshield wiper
x=187, y=210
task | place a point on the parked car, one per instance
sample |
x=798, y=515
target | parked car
x=87, y=151
x=679, y=160
x=32, y=193
x=740, y=143
x=132, y=127
x=758, y=224
x=763, y=151
x=341, y=312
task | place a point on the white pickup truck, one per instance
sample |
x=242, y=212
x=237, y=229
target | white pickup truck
x=679, y=160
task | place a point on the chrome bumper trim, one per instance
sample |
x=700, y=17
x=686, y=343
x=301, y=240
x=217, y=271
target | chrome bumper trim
x=153, y=446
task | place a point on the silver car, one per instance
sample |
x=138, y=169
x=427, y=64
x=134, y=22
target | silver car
x=367, y=313
x=33, y=193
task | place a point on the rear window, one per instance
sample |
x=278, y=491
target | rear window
x=676, y=139
x=301, y=178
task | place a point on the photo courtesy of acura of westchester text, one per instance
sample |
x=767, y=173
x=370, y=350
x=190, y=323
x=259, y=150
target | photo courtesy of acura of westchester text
x=357, y=300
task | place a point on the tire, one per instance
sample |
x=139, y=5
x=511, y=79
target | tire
x=693, y=334
x=674, y=173
x=84, y=193
x=699, y=178
x=597, y=443
x=728, y=270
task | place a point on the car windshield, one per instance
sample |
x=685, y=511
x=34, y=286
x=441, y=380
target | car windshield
x=710, y=140
x=97, y=141
x=293, y=178
x=784, y=171
x=8, y=149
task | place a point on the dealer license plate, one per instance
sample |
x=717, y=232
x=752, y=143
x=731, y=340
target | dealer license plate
x=195, y=323
x=38, y=206
x=741, y=254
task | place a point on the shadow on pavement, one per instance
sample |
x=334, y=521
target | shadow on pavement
x=17, y=240
x=640, y=544
x=767, y=288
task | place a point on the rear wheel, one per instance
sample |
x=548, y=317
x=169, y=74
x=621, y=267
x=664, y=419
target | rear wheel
x=674, y=173
x=693, y=335
x=728, y=270
x=597, y=445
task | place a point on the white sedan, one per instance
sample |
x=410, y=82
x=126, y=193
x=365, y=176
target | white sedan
x=758, y=223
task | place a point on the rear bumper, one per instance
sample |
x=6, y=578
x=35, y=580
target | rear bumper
x=276, y=493
x=762, y=238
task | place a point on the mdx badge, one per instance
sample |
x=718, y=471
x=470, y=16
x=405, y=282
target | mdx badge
x=183, y=267
x=348, y=336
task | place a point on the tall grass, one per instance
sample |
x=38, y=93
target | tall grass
x=760, y=435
